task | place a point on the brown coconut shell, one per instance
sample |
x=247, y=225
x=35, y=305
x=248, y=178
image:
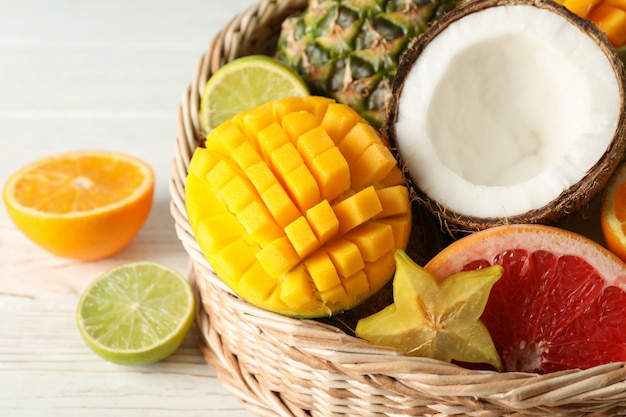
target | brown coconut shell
x=573, y=199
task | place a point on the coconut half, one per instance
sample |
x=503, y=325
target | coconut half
x=508, y=112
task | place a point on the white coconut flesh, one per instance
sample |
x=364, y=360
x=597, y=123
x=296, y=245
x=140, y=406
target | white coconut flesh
x=504, y=110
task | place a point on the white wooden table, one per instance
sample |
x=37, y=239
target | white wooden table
x=95, y=75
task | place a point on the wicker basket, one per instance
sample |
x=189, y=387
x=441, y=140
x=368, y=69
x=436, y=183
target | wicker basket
x=279, y=366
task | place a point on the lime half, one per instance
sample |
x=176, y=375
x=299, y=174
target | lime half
x=245, y=83
x=136, y=313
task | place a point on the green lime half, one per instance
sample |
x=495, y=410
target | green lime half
x=136, y=313
x=245, y=83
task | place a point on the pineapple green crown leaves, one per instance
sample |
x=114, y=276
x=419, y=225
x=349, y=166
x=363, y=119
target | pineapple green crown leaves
x=349, y=49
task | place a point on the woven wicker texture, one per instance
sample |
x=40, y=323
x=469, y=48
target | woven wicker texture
x=278, y=366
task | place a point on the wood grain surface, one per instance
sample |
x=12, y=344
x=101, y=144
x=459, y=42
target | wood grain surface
x=95, y=75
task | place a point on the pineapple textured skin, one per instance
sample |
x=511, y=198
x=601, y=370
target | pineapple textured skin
x=349, y=49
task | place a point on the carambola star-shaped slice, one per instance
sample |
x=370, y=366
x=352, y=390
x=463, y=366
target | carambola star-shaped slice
x=436, y=319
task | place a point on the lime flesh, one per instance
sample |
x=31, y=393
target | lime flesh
x=246, y=83
x=137, y=313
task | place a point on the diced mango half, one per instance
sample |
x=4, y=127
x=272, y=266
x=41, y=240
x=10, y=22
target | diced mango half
x=298, y=206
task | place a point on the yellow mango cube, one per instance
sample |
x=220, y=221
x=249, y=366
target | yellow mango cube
x=346, y=257
x=356, y=285
x=317, y=106
x=357, y=209
x=313, y=143
x=261, y=176
x=256, y=284
x=204, y=204
x=394, y=200
x=225, y=138
x=221, y=174
x=302, y=188
x=254, y=120
x=394, y=177
x=302, y=237
x=323, y=221
x=322, y=271
x=271, y=138
x=380, y=272
x=202, y=162
x=217, y=232
x=232, y=261
x=372, y=165
x=334, y=295
x=357, y=140
x=338, y=120
x=373, y=239
x=259, y=223
x=401, y=226
x=237, y=194
x=332, y=173
x=285, y=106
x=278, y=257
x=246, y=155
x=285, y=159
x=297, y=123
x=297, y=288
x=280, y=205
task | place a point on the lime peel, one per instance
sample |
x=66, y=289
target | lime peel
x=245, y=83
x=136, y=313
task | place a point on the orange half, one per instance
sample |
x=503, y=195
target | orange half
x=613, y=213
x=83, y=205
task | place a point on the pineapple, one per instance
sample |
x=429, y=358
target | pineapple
x=349, y=49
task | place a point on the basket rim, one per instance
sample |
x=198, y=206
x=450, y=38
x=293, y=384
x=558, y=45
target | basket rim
x=332, y=350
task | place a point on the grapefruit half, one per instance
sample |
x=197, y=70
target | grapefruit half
x=560, y=303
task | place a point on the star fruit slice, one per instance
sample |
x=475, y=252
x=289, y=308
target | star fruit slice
x=436, y=319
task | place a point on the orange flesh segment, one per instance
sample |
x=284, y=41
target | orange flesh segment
x=287, y=197
x=77, y=186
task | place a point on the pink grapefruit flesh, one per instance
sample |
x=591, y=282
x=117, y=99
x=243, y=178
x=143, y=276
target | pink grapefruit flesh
x=560, y=304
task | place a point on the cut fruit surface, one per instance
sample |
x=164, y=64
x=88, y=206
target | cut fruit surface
x=438, y=319
x=136, y=313
x=81, y=205
x=560, y=303
x=516, y=107
x=613, y=213
x=245, y=83
x=277, y=212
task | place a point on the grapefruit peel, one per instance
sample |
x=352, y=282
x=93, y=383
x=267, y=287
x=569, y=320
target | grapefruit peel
x=439, y=319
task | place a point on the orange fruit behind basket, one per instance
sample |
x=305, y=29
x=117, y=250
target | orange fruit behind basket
x=613, y=213
x=560, y=303
x=81, y=205
x=299, y=206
